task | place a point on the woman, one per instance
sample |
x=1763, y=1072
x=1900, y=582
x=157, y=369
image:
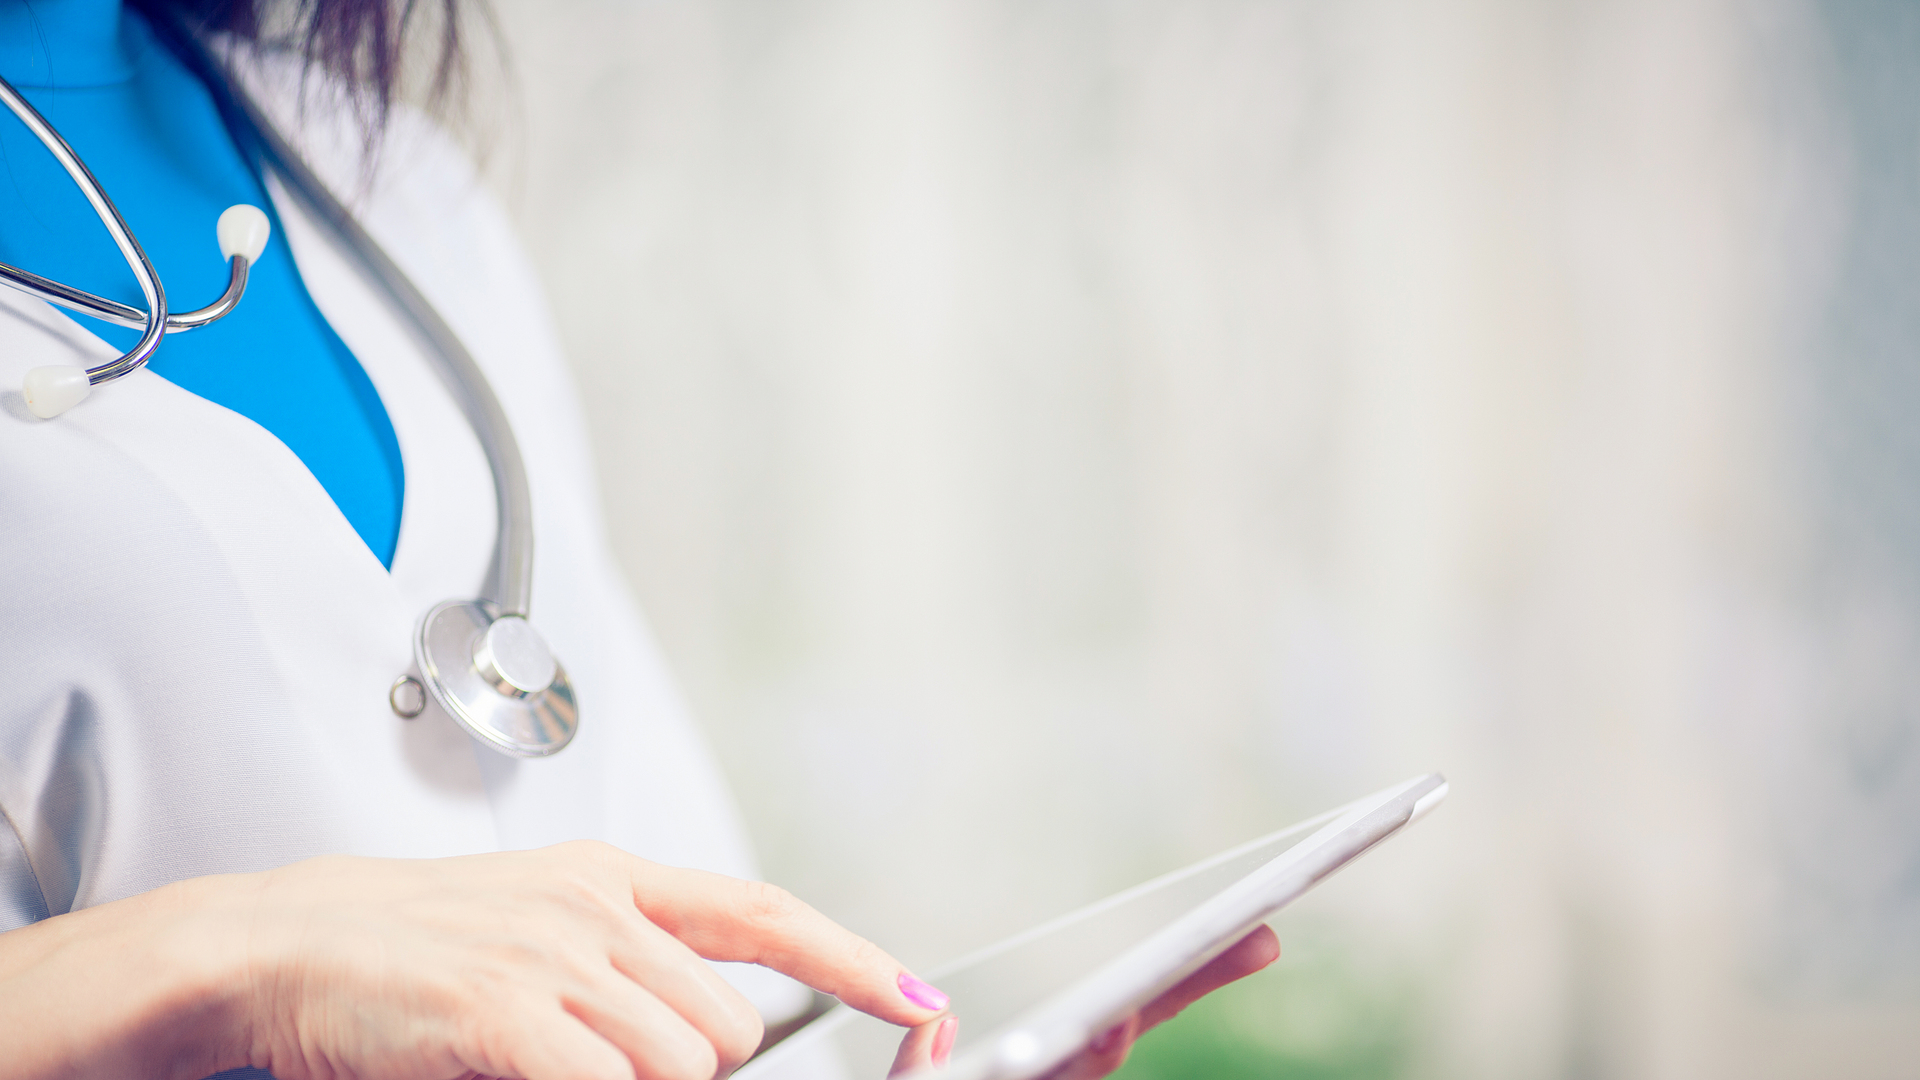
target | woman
x=221, y=847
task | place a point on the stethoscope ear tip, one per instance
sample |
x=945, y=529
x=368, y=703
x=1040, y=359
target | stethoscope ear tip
x=54, y=389
x=243, y=230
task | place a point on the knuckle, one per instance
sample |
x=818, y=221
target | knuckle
x=582, y=885
x=616, y=1068
x=592, y=852
x=689, y=1059
x=597, y=852
x=485, y=1038
x=862, y=954
x=702, y=1062
x=766, y=906
x=584, y=891
x=740, y=1039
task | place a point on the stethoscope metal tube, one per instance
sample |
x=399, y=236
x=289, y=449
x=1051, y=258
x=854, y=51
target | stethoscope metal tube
x=113, y=311
x=241, y=230
x=480, y=659
x=153, y=321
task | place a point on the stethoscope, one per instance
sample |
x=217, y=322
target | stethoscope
x=480, y=659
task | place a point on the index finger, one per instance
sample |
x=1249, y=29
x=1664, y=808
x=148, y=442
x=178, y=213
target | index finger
x=723, y=918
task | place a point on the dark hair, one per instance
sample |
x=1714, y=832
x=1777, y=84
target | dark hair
x=362, y=43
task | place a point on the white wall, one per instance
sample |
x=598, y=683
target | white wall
x=1054, y=440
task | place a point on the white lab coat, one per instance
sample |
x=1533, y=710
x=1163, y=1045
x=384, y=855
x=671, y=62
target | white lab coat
x=196, y=647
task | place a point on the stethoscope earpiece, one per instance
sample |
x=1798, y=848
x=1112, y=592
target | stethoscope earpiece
x=54, y=389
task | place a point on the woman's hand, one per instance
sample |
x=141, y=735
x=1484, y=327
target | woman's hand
x=930, y=1043
x=577, y=962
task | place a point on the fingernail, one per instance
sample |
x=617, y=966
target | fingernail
x=1105, y=1041
x=943, y=1040
x=921, y=994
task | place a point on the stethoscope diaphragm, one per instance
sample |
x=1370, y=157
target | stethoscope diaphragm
x=494, y=675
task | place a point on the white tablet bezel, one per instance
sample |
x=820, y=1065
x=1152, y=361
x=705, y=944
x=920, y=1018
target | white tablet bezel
x=1058, y=1027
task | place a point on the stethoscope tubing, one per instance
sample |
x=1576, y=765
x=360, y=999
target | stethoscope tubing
x=510, y=584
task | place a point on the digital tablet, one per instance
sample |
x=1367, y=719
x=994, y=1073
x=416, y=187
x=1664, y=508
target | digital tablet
x=1030, y=1002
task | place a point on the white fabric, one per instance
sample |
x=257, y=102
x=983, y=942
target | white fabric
x=197, y=647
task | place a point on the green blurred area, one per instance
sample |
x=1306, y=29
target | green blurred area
x=1320, y=1013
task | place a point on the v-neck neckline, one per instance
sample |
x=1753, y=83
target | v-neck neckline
x=448, y=478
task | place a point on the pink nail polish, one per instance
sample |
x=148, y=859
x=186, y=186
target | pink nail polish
x=921, y=994
x=943, y=1040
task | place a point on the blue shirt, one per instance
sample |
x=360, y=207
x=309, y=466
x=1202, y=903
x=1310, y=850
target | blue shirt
x=149, y=131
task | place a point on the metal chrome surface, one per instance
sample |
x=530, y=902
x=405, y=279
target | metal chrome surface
x=154, y=321
x=113, y=311
x=521, y=724
x=513, y=658
x=237, y=270
x=407, y=697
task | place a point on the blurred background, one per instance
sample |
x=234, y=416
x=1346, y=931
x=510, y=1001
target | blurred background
x=1055, y=439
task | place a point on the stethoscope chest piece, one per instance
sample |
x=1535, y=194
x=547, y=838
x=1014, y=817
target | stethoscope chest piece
x=495, y=676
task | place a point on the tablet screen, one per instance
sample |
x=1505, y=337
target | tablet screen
x=995, y=986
